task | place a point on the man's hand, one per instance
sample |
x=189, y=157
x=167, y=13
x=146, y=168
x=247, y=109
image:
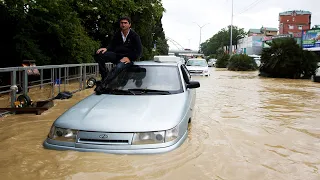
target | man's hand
x=103, y=50
x=125, y=60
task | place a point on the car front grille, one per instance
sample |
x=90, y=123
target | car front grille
x=196, y=71
x=83, y=140
x=104, y=138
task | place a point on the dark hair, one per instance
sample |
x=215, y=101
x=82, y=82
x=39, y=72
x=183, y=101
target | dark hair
x=125, y=18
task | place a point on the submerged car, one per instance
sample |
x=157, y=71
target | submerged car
x=316, y=76
x=212, y=62
x=146, y=109
x=198, y=67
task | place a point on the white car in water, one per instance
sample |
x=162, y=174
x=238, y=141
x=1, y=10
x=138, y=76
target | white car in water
x=146, y=109
x=316, y=76
x=212, y=62
x=198, y=67
x=257, y=59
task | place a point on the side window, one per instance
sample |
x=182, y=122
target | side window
x=185, y=73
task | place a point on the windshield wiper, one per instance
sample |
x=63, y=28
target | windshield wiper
x=142, y=91
x=117, y=91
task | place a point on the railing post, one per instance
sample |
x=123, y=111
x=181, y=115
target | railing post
x=13, y=84
x=20, y=78
x=65, y=78
x=80, y=77
x=84, y=76
x=52, y=81
x=59, y=79
x=25, y=82
x=68, y=75
x=41, y=78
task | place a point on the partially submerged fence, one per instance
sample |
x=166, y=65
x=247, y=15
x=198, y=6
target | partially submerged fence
x=19, y=80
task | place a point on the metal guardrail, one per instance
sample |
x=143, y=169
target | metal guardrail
x=52, y=75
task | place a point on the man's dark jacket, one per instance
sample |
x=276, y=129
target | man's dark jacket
x=132, y=48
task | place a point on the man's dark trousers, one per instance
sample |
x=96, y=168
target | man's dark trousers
x=114, y=58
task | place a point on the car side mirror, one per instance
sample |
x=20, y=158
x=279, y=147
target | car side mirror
x=193, y=84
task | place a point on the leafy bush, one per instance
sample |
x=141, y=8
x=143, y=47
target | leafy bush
x=222, y=61
x=286, y=59
x=309, y=63
x=242, y=62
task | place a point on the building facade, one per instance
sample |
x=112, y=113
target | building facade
x=250, y=45
x=263, y=31
x=294, y=22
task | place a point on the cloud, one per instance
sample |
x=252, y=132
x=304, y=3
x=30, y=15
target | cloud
x=180, y=15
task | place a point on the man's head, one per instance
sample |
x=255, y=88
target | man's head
x=125, y=23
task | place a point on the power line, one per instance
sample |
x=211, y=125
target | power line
x=250, y=6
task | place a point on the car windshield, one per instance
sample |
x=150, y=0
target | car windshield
x=148, y=79
x=202, y=63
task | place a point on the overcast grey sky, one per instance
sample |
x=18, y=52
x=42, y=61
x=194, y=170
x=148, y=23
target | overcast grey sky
x=180, y=15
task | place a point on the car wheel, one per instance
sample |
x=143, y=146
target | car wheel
x=91, y=82
x=24, y=100
x=189, y=120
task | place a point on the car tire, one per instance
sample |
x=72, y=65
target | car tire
x=91, y=82
x=25, y=99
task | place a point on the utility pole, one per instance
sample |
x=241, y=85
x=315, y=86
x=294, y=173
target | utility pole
x=200, y=33
x=231, y=27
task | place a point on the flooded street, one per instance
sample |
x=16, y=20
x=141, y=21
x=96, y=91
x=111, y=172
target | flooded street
x=245, y=127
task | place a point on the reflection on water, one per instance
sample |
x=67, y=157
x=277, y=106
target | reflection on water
x=245, y=127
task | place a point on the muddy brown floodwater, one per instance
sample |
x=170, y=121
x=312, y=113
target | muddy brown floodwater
x=245, y=127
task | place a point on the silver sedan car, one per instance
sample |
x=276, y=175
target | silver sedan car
x=146, y=109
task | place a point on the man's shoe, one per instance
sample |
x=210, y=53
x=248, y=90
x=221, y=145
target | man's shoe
x=99, y=89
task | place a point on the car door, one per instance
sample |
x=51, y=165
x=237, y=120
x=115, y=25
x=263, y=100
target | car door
x=191, y=93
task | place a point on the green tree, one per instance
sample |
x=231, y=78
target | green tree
x=286, y=59
x=58, y=32
x=221, y=39
x=162, y=47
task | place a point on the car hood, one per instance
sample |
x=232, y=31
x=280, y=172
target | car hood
x=196, y=68
x=125, y=113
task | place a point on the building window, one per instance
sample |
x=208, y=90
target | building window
x=291, y=27
x=300, y=27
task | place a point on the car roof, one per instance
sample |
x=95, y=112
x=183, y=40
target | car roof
x=154, y=63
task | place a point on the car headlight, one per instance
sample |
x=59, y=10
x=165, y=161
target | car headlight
x=155, y=137
x=61, y=134
x=172, y=134
x=148, y=138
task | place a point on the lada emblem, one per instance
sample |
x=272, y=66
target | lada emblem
x=103, y=136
